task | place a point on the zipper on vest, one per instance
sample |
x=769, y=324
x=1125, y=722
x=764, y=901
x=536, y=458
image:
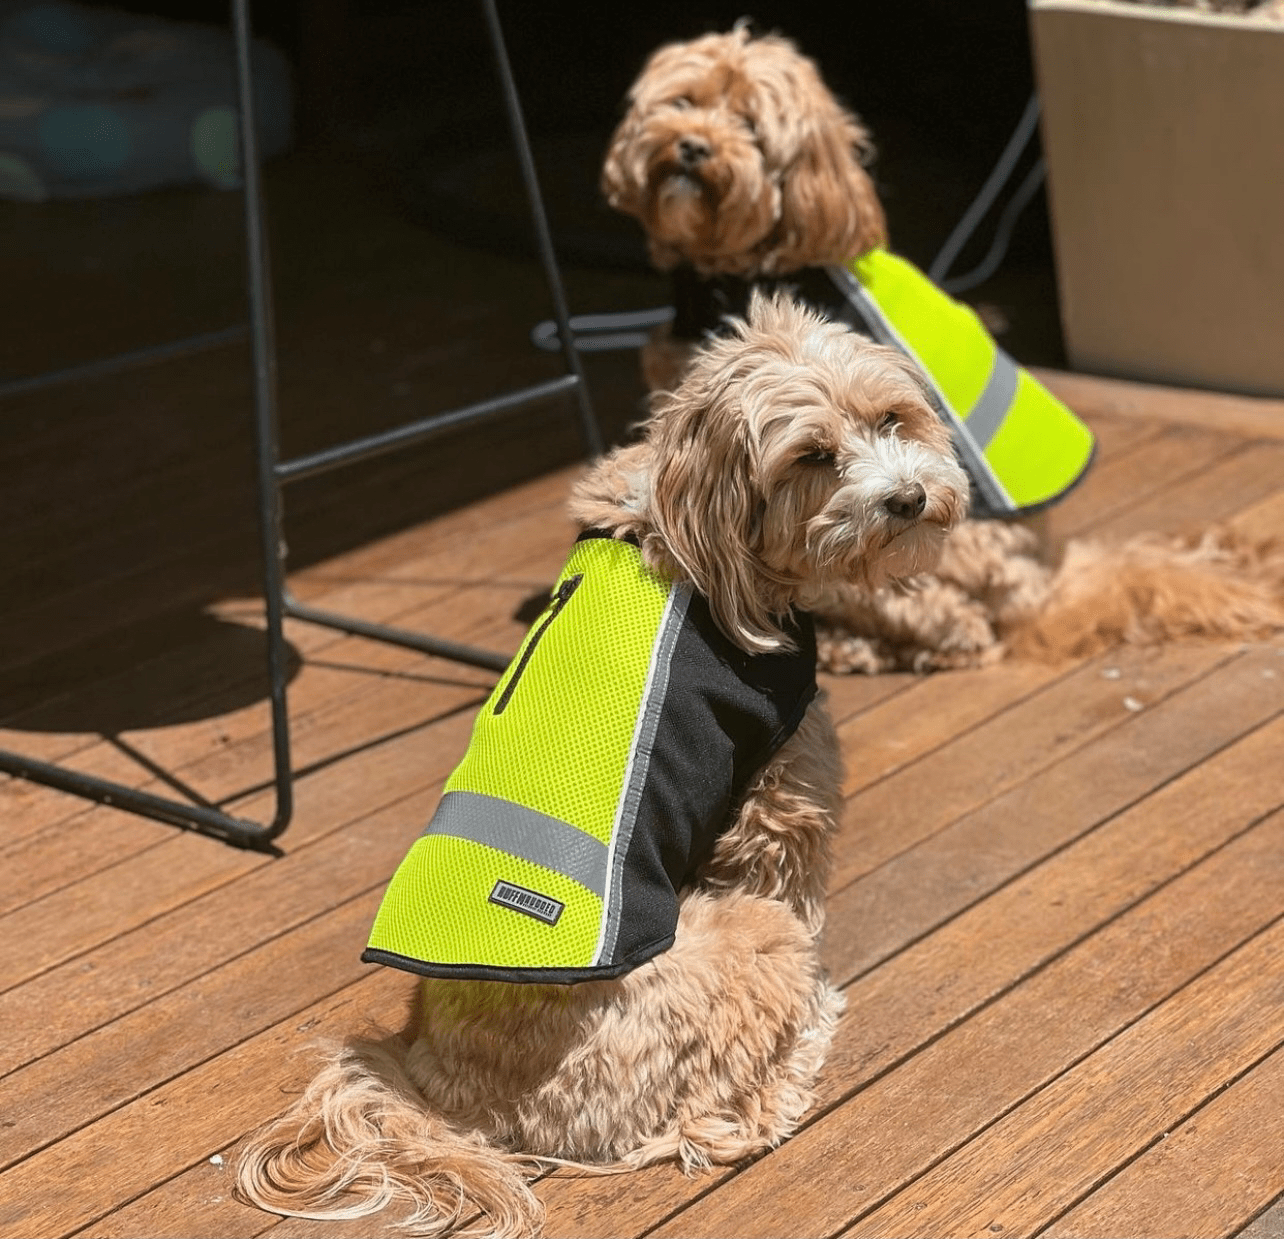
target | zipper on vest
x=560, y=599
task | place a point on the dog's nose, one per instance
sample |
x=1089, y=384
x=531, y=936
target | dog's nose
x=692, y=151
x=908, y=502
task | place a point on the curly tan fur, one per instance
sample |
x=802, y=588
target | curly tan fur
x=793, y=456
x=737, y=159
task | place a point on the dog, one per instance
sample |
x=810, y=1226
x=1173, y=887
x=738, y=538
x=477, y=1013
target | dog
x=746, y=171
x=792, y=455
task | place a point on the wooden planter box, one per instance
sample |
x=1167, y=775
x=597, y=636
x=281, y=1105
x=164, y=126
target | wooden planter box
x=1163, y=131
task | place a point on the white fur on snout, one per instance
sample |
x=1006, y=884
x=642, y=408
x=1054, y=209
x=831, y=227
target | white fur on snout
x=886, y=465
x=856, y=522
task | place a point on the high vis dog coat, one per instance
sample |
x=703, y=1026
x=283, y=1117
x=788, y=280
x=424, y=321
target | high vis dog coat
x=1022, y=448
x=612, y=752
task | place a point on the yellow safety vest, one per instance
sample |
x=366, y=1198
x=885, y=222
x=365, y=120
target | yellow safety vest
x=1022, y=447
x=609, y=757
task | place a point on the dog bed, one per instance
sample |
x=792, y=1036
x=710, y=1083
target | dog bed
x=96, y=102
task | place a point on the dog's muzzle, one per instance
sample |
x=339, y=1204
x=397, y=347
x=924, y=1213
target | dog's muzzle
x=692, y=152
x=907, y=503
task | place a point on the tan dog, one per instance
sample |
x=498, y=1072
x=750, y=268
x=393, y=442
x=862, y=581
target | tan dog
x=793, y=454
x=741, y=165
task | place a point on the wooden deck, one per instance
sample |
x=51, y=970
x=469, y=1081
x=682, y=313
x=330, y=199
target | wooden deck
x=1058, y=909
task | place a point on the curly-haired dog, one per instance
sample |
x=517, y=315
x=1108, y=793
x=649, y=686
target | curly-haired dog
x=794, y=454
x=745, y=171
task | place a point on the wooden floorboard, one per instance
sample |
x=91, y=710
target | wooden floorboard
x=1057, y=912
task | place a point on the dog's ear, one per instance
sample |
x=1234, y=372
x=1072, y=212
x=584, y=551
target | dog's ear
x=623, y=177
x=829, y=212
x=620, y=185
x=705, y=507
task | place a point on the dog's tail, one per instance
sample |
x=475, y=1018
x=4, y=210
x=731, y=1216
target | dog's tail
x=361, y=1138
x=1153, y=589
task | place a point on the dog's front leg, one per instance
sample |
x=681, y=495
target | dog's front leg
x=779, y=844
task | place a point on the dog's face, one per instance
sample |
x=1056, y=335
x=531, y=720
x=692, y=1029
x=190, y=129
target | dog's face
x=736, y=158
x=793, y=456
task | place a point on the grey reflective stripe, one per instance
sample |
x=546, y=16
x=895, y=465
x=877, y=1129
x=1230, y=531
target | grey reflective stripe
x=653, y=695
x=993, y=403
x=523, y=832
x=881, y=327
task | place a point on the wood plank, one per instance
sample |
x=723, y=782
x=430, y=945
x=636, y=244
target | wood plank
x=116, y=612
x=384, y=582
x=929, y=713
x=1248, y=416
x=1147, y=470
x=901, y=901
x=119, y=968
x=76, y=918
x=1216, y=493
x=850, y=695
x=120, y=1157
x=1181, y=1185
x=1262, y=520
x=1036, y=1161
x=198, y=750
x=171, y=869
x=218, y=756
x=906, y=1121
x=92, y=616
x=97, y=1073
x=913, y=803
x=1116, y=435
x=937, y=980
x=387, y=707
x=196, y=1201
x=64, y=451
x=483, y=611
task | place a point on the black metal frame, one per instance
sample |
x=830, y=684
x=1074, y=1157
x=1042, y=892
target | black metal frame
x=274, y=473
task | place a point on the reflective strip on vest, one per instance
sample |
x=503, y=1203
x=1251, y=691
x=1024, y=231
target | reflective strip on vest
x=1022, y=447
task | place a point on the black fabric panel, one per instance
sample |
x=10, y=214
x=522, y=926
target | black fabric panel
x=725, y=714
x=701, y=304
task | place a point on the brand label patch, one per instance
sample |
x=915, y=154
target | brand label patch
x=519, y=899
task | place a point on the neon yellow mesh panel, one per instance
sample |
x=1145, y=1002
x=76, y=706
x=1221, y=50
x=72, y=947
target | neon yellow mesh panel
x=577, y=775
x=544, y=702
x=948, y=339
x=1040, y=447
x=410, y=925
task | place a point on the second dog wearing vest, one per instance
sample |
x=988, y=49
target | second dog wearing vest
x=744, y=170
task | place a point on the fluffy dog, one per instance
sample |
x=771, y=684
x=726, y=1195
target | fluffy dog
x=744, y=169
x=792, y=455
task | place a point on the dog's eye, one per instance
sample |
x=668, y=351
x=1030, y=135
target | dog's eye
x=821, y=456
x=681, y=102
x=888, y=422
